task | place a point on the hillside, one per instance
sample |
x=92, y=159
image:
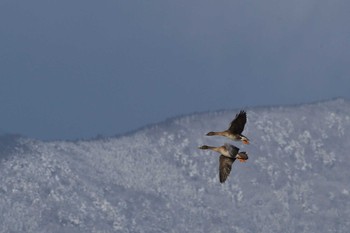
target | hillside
x=156, y=180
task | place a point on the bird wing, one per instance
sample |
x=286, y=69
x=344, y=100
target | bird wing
x=233, y=150
x=225, y=165
x=237, y=124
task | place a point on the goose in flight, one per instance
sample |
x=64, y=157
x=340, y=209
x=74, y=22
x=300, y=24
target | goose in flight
x=229, y=154
x=234, y=132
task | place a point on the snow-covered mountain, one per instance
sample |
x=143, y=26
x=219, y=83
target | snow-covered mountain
x=156, y=180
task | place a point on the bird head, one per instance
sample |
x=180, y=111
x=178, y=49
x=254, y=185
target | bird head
x=244, y=139
x=242, y=156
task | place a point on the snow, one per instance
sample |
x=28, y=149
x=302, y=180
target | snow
x=156, y=180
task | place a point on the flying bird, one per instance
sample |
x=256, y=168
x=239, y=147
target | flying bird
x=229, y=154
x=234, y=132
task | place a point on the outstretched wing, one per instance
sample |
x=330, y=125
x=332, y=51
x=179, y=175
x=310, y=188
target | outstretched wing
x=237, y=124
x=225, y=165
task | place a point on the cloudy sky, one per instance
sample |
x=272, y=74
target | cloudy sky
x=76, y=69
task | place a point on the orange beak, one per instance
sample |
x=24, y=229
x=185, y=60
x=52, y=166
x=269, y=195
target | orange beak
x=245, y=142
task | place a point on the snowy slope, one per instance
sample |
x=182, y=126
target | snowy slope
x=155, y=180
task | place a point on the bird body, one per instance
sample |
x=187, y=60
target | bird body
x=229, y=154
x=234, y=132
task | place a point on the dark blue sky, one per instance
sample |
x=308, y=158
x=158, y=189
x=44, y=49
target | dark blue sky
x=75, y=69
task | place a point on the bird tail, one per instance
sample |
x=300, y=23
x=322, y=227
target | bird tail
x=213, y=133
x=205, y=147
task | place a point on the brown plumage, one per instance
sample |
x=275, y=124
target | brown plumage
x=229, y=154
x=234, y=132
x=225, y=165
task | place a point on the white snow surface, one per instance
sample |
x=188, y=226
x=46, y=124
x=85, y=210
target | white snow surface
x=297, y=178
